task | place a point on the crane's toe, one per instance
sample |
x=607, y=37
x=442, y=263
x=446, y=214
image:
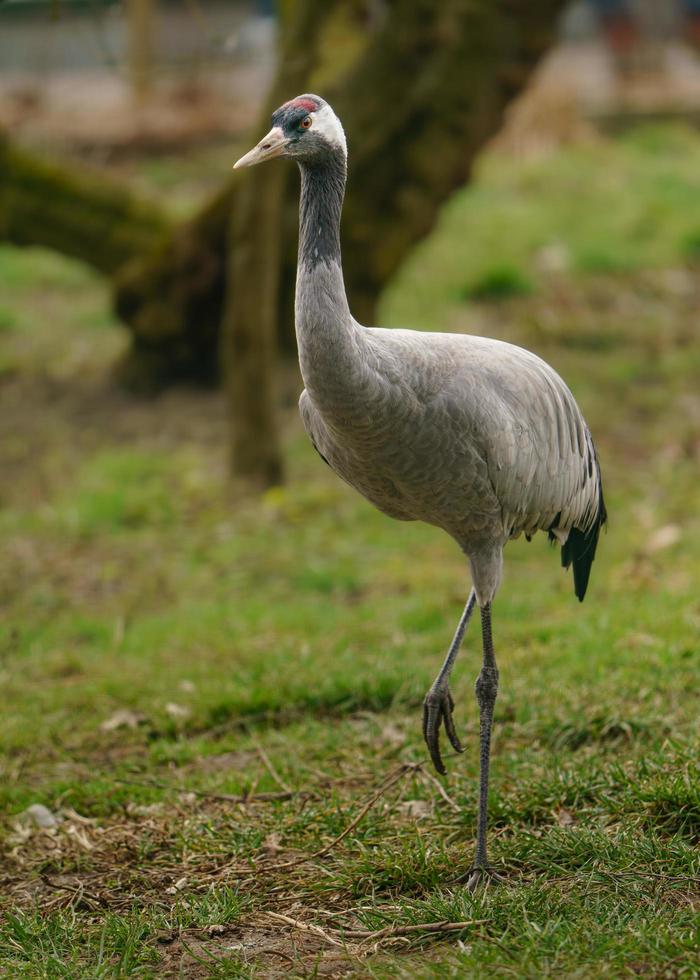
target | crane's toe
x=477, y=878
x=437, y=708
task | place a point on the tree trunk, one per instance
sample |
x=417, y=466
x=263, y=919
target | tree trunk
x=139, y=26
x=418, y=104
x=172, y=299
x=249, y=329
x=440, y=77
x=74, y=211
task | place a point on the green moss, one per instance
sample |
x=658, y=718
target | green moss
x=74, y=210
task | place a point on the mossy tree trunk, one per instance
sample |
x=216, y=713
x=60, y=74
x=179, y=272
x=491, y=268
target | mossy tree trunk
x=425, y=94
x=74, y=211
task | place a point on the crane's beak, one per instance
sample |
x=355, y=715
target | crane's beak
x=268, y=148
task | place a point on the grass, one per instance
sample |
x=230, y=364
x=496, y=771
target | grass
x=612, y=207
x=168, y=642
x=499, y=282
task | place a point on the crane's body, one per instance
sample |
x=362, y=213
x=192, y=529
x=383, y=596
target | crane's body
x=456, y=443
x=478, y=437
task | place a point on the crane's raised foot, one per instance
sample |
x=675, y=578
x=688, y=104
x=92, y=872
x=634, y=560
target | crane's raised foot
x=437, y=708
x=477, y=878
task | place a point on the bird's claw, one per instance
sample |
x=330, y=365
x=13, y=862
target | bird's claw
x=478, y=877
x=438, y=707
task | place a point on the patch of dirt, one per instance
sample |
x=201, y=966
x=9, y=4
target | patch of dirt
x=39, y=864
x=145, y=858
x=273, y=951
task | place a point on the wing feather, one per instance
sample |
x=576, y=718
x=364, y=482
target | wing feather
x=539, y=452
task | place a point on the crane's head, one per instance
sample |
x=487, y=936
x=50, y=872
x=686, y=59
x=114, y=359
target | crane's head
x=304, y=129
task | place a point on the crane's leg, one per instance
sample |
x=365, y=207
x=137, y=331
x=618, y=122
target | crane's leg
x=486, y=690
x=438, y=704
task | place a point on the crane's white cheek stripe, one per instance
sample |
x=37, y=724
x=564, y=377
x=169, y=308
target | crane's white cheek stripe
x=327, y=124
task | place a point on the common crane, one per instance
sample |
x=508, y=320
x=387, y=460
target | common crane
x=478, y=437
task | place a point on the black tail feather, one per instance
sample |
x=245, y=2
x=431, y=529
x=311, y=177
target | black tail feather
x=580, y=549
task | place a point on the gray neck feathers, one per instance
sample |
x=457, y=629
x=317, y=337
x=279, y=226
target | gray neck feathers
x=322, y=191
x=331, y=344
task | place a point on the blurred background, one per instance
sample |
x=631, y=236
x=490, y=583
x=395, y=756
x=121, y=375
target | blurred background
x=119, y=122
x=178, y=565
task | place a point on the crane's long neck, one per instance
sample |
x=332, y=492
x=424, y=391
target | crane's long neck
x=320, y=206
x=329, y=340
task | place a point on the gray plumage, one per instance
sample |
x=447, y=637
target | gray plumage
x=478, y=437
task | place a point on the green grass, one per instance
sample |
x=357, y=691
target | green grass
x=253, y=644
x=499, y=282
x=611, y=207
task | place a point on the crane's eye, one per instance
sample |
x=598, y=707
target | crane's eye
x=306, y=122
